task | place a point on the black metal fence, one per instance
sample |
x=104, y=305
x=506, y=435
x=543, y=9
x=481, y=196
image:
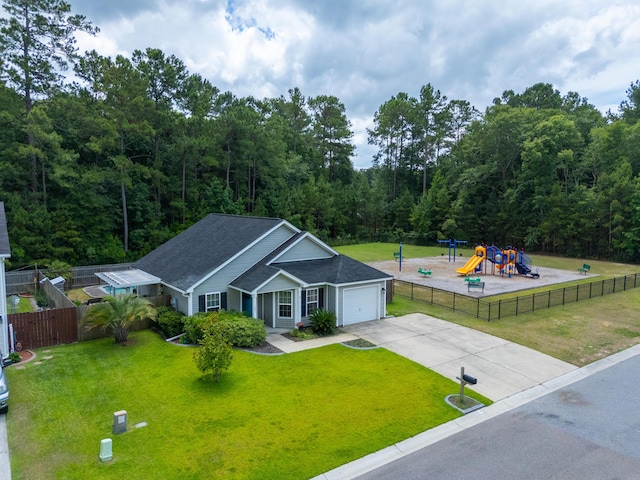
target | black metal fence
x=498, y=309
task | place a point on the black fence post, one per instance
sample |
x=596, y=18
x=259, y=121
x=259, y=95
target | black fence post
x=533, y=302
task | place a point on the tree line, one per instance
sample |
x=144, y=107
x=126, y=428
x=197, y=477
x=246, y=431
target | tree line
x=107, y=166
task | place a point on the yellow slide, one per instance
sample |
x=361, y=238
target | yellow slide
x=473, y=262
x=470, y=266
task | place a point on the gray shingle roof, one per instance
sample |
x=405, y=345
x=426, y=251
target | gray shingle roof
x=191, y=255
x=5, y=251
x=337, y=270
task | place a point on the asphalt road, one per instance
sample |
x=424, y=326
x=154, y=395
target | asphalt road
x=587, y=430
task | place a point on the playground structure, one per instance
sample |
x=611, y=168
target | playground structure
x=506, y=261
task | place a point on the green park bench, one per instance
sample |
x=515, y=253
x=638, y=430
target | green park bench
x=396, y=255
x=423, y=272
x=585, y=269
x=472, y=280
x=475, y=285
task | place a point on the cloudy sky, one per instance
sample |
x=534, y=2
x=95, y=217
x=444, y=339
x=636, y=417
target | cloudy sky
x=365, y=51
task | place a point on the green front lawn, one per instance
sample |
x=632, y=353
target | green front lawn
x=285, y=416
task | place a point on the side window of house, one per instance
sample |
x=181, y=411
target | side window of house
x=284, y=304
x=212, y=302
x=312, y=300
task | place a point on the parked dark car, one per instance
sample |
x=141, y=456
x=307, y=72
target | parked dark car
x=4, y=392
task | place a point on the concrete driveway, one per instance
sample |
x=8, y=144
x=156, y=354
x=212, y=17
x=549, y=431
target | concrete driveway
x=502, y=368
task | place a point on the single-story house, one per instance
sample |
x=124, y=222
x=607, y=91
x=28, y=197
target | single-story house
x=265, y=267
x=5, y=252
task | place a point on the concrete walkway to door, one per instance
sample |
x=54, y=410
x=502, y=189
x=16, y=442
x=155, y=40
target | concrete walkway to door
x=502, y=368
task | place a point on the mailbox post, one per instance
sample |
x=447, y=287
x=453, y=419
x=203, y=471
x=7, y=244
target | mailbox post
x=464, y=379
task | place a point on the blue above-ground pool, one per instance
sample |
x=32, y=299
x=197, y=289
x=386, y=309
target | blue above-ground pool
x=109, y=290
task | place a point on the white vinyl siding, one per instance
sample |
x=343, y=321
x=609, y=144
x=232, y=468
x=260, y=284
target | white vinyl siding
x=279, y=282
x=305, y=249
x=4, y=334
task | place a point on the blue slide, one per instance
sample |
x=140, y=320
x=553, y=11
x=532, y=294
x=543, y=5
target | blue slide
x=523, y=269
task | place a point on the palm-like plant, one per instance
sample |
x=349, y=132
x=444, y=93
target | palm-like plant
x=118, y=314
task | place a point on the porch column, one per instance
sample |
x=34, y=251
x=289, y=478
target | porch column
x=254, y=305
x=297, y=306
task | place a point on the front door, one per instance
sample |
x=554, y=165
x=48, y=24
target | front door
x=247, y=304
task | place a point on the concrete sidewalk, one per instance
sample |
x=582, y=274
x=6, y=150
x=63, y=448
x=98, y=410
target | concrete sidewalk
x=5, y=467
x=290, y=346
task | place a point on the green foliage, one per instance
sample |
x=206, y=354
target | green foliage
x=169, y=321
x=139, y=149
x=302, y=334
x=58, y=268
x=215, y=354
x=323, y=322
x=240, y=330
x=42, y=300
x=14, y=357
x=117, y=314
x=244, y=331
x=193, y=327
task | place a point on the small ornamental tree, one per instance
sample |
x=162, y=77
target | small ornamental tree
x=118, y=313
x=215, y=354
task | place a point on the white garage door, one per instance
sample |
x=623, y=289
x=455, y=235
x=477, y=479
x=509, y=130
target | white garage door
x=360, y=305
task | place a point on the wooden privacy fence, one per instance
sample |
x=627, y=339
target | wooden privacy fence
x=45, y=328
x=487, y=310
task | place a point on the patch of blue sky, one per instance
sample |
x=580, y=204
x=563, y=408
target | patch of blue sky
x=240, y=24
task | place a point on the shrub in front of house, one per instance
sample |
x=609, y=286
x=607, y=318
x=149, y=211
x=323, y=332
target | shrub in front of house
x=193, y=327
x=240, y=330
x=323, y=322
x=170, y=322
x=244, y=331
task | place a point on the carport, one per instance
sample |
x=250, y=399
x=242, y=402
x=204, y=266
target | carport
x=127, y=281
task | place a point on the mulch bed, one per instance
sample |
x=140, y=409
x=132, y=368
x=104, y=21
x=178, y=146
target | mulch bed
x=267, y=348
x=25, y=355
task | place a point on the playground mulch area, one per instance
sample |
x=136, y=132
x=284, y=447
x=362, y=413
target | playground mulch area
x=444, y=276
